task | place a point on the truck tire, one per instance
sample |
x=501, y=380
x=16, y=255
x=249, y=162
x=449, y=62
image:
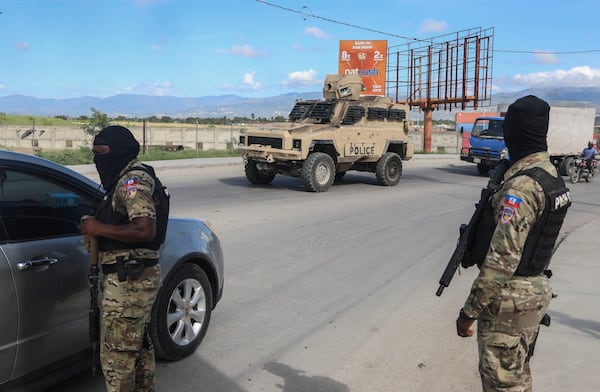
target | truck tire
x=255, y=176
x=318, y=172
x=564, y=166
x=389, y=169
x=483, y=169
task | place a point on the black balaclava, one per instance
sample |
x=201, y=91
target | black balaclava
x=123, y=149
x=526, y=127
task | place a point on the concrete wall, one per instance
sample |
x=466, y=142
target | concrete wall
x=219, y=137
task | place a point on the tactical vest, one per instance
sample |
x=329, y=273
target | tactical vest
x=107, y=214
x=539, y=244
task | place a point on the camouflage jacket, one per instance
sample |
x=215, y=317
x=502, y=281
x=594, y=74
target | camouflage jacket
x=133, y=197
x=517, y=206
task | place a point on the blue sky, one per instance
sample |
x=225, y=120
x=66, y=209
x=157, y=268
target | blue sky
x=195, y=48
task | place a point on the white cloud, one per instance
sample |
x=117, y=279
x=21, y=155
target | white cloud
x=245, y=51
x=433, y=26
x=316, y=32
x=582, y=76
x=150, y=88
x=302, y=79
x=248, y=83
x=545, y=57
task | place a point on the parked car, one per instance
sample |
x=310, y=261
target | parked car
x=44, y=265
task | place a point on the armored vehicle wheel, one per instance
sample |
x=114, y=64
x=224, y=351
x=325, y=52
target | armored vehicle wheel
x=318, y=172
x=389, y=169
x=255, y=176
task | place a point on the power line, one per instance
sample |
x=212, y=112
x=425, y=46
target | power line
x=306, y=13
x=547, y=51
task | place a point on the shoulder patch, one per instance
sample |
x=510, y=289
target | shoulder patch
x=512, y=201
x=507, y=214
x=131, y=187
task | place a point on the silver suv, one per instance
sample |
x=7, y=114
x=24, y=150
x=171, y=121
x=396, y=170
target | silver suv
x=44, y=289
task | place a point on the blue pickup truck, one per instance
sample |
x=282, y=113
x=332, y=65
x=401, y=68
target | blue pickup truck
x=486, y=144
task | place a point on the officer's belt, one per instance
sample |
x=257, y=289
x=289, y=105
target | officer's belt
x=112, y=268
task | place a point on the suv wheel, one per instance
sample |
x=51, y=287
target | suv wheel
x=389, y=169
x=318, y=172
x=255, y=176
x=181, y=313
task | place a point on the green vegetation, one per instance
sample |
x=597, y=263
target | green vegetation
x=84, y=156
x=94, y=125
x=97, y=119
x=10, y=119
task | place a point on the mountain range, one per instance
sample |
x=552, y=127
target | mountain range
x=230, y=106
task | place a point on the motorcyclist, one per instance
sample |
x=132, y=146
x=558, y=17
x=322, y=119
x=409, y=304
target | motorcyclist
x=589, y=154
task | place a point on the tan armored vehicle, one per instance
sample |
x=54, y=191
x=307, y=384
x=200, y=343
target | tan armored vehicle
x=325, y=138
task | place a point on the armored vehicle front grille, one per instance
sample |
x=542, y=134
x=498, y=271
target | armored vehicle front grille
x=322, y=111
x=377, y=114
x=274, y=142
x=397, y=114
x=300, y=110
x=353, y=114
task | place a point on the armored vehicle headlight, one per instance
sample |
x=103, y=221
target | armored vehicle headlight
x=297, y=144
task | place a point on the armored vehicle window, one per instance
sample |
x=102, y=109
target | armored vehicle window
x=322, y=111
x=397, y=114
x=353, y=114
x=377, y=114
x=300, y=110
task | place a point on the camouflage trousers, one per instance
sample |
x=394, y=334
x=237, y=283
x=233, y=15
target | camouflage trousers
x=506, y=332
x=126, y=352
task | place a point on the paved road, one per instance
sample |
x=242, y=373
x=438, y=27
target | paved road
x=351, y=328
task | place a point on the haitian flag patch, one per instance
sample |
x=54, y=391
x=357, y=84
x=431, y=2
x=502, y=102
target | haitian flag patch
x=512, y=201
x=511, y=204
x=131, y=187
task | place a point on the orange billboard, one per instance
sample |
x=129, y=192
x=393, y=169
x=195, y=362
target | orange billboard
x=366, y=58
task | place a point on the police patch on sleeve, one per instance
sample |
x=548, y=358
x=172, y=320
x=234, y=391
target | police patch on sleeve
x=507, y=214
x=131, y=187
x=511, y=204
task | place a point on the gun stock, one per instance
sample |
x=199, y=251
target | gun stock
x=466, y=232
x=94, y=311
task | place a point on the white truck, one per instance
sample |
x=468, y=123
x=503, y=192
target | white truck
x=569, y=131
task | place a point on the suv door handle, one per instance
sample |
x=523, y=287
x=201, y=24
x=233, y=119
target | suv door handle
x=37, y=264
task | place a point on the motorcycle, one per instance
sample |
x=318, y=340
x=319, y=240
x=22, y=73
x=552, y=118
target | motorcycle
x=580, y=169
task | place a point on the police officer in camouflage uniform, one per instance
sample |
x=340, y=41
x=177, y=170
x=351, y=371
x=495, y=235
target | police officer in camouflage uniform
x=511, y=293
x=125, y=225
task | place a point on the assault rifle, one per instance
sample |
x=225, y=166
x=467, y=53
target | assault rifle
x=467, y=232
x=94, y=312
